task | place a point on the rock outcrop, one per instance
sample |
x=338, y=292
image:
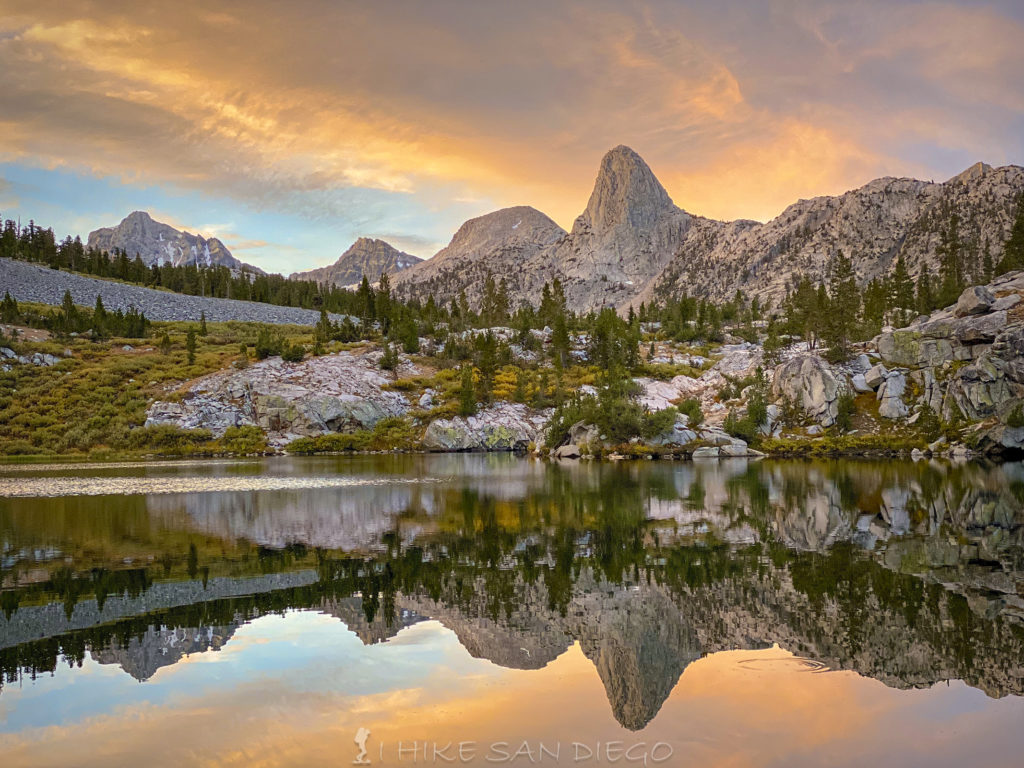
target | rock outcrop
x=366, y=257
x=157, y=243
x=809, y=382
x=500, y=427
x=965, y=361
x=332, y=393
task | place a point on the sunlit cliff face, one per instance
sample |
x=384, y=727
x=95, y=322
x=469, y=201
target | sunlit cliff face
x=403, y=119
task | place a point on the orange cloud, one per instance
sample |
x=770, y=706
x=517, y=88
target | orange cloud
x=465, y=109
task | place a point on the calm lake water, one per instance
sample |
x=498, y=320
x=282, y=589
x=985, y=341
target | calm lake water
x=490, y=610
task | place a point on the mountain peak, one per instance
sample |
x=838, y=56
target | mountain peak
x=976, y=171
x=367, y=257
x=626, y=192
x=158, y=243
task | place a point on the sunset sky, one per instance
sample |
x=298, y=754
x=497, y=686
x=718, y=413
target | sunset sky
x=290, y=129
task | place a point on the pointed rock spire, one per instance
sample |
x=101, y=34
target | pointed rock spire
x=626, y=192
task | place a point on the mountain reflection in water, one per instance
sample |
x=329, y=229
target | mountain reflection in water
x=908, y=573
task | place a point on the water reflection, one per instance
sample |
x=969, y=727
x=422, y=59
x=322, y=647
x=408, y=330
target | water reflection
x=906, y=573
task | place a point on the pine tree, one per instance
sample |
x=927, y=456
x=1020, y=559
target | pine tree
x=367, y=306
x=389, y=358
x=519, y=393
x=9, y=310
x=901, y=287
x=843, y=307
x=1013, y=251
x=202, y=324
x=806, y=311
x=383, y=305
x=560, y=343
x=877, y=298
x=487, y=362
x=987, y=267
x=99, y=319
x=925, y=293
x=190, y=345
x=467, y=395
x=773, y=345
x=951, y=271
x=165, y=344
x=68, y=318
x=324, y=330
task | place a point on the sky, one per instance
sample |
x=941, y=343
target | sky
x=290, y=129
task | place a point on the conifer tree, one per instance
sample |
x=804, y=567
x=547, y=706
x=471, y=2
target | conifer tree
x=99, y=319
x=9, y=310
x=467, y=395
x=925, y=293
x=843, y=307
x=951, y=268
x=1013, y=251
x=202, y=324
x=560, y=343
x=901, y=287
x=383, y=306
x=190, y=345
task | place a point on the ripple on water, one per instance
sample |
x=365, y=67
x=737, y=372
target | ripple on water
x=796, y=663
x=75, y=466
x=126, y=486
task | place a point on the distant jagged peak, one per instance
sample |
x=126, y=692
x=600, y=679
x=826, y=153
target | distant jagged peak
x=367, y=257
x=626, y=192
x=158, y=243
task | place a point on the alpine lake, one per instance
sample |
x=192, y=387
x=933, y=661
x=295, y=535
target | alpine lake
x=483, y=609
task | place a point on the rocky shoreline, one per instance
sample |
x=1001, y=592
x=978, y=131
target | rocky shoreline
x=963, y=365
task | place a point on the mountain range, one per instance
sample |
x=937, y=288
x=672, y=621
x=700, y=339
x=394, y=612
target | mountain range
x=632, y=244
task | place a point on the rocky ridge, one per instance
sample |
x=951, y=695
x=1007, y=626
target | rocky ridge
x=498, y=244
x=633, y=245
x=158, y=243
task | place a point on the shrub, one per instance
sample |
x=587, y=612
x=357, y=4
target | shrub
x=929, y=424
x=389, y=359
x=337, y=442
x=615, y=412
x=268, y=343
x=394, y=433
x=166, y=437
x=742, y=428
x=293, y=353
x=1015, y=418
x=845, y=408
x=691, y=407
x=246, y=439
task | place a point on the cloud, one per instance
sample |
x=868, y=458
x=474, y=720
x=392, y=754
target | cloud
x=407, y=118
x=7, y=197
